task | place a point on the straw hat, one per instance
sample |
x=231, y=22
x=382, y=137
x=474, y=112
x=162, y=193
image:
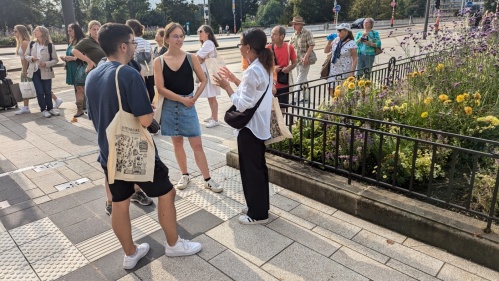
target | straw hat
x=297, y=20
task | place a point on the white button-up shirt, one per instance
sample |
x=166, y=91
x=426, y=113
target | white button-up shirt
x=253, y=84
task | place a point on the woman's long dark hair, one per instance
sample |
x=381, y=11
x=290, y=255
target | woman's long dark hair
x=211, y=35
x=257, y=40
x=349, y=36
x=78, y=33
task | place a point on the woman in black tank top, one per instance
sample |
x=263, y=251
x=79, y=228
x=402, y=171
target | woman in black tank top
x=179, y=119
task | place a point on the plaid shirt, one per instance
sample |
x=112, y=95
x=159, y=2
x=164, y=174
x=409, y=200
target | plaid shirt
x=301, y=41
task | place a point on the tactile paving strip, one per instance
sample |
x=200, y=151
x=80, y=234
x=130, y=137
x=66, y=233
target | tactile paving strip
x=204, y=198
x=237, y=196
x=225, y=209
x=45, y=246
x=6, y=241
x=32, y=231
x=274, y=189
x=192, y=187
x=11, y=260
x=106, y=242
x=59, y=264
x=231, y=186
x=227, y=172
x=24, y=273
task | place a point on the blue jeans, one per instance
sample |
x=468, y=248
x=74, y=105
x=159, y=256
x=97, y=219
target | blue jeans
x=364, y=61
x=43, y=91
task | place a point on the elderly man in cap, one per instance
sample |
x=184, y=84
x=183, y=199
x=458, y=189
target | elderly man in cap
x=303, y=42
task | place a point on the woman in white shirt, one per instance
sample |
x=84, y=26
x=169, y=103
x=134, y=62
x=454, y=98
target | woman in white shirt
x=256, y=82
x=143, y=55
x=208, y=50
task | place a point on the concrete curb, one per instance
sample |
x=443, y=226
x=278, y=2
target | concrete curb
x=453, y=232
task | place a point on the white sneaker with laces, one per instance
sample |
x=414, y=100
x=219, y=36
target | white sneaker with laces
x=244, y=219
x=22, y=110
x=182, y=183
x=212, y=123
x=182, y=248
x=46, y=114
x=206, y=120
x=130, y=262
x=213, y=185
x=57, y=102
x=54, y=112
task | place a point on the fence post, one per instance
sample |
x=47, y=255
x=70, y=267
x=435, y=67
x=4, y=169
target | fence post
x=391, y=71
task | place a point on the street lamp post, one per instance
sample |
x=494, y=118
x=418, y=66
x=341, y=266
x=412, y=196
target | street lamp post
x=393, y=4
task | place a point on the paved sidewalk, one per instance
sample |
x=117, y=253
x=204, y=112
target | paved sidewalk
x=49, y=232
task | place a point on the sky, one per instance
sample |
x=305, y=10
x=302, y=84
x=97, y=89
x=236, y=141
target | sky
x=154, y=2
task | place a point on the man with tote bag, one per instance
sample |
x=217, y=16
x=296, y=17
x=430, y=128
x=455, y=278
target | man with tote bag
x=116, y=90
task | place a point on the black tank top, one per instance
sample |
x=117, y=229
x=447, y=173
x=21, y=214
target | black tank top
x=181, y=81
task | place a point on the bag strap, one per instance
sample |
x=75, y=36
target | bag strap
x=275, y=58
x=118, y=86
x=263, y=95
x=190, y=60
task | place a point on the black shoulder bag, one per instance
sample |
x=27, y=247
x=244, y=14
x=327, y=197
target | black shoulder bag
x=238, y=120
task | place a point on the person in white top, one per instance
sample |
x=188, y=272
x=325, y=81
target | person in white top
x=256, y=81
x=143, y=55
x=208, y=50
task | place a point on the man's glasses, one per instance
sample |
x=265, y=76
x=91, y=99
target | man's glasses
x=133, y=42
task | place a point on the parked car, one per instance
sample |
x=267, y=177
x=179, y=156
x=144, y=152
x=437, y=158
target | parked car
x=358, y=23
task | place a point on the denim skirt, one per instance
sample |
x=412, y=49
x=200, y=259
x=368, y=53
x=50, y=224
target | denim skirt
x=178, y=120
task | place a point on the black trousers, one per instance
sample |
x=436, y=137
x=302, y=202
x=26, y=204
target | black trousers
x=150, y=86
x=254, y=174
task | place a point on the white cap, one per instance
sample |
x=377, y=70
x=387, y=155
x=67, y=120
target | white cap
x=344, y=26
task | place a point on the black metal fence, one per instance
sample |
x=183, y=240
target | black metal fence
x=418, y=162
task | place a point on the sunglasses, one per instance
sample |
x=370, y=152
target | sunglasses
x=200, y=31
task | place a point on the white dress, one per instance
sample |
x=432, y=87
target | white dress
x=208, y=50
x=343, y=63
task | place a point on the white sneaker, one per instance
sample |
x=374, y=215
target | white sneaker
x=244, y=210
x=130, y=262
x=206, y=120
x=46, y=114
x=22, y=110
x=182, y=183
x=212, y=123
x=244, y=219
x=54, y=112
x=182, y=248
x=213, y=185
x=57, y=102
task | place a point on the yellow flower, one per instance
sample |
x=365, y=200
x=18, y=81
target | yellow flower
x=362, y=83
x=337, y=93
x=439, y=67
x=351, y=86
x=404, y=105
x=460, y=98
x=345, y=83
x=428, y=100
x=368, y=83
x=386, y=108
x=350, y=79
x=477, y=96
x=424, y=114
x=338, y=87
x=443, y=97
x=468, y=110
x=466, y=96
x=492, y=120
x=447, y=101
x=477, y=102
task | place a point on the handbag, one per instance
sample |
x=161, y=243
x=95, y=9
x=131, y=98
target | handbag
x=213, y=65
x=160, y=99
x=131, y=148
x=278, y=129
x=237, y=119
x=326, y=66
x=16, y=92
x=378, y=51
x=80, y=74
x=27, y=90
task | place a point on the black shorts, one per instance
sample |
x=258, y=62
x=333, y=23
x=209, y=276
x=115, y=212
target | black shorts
x=284, y=98
x=161, y=185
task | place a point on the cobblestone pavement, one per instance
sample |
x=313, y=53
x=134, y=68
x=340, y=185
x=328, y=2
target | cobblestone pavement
x=53, y=224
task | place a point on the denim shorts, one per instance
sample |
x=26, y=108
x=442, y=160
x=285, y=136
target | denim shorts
x=178, y=120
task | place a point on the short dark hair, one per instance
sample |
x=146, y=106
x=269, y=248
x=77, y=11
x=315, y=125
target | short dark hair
x=137, y=27
x=112, y=35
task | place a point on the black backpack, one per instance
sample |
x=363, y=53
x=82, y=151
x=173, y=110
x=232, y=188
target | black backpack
x=3, y=71
x=50, y=46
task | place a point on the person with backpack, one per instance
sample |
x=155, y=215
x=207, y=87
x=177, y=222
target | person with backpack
x=179, y=119
x=143, y=55
x=42, y=56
